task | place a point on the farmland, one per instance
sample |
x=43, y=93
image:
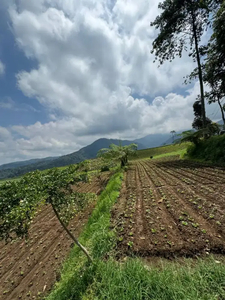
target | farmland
x=171, y=208
x=28, y=269
x=168, y=150
x=156, y=209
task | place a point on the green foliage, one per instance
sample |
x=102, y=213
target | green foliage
x=76, y=274
x=190, y=136
x=214, y=72
x=20, y=199
x=196, y=137
x=57, y=186
x=181, y=25
x=212, y=149
x=105, y=168
x=198, y=121
x=177, y=23
x=160, y=151
x=120, y=153
x=18, y=203
x=84, y=166
x=214, y=67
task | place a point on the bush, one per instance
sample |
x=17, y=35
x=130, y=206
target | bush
x=125, y=168
x=104, y=168
x=212, y=149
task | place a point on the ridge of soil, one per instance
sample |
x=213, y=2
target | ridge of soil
x=171, y=208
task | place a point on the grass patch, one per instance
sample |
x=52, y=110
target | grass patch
x=157, y=152
x=132, y=280
x=180, y=153
x=77, y=274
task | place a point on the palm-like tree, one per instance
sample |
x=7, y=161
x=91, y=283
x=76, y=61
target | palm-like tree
x=173, y=132
x=118, y=152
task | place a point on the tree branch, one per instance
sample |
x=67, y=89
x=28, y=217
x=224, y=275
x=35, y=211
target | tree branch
x=71, y=235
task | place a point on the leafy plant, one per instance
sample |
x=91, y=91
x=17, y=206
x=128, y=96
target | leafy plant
x=120, y=153
x=130, y=244
x=20, y=200
x=184, y=223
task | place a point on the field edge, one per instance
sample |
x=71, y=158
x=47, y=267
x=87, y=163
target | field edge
x=99, y=240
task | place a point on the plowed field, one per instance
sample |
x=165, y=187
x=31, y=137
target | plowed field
x=29, y=269
x=171, y=208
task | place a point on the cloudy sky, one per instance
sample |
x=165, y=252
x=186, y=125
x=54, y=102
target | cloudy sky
x=72, y=71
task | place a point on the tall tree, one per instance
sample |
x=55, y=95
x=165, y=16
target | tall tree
x=197, y=123
x=173, y=133
x=181, y=25
x=214, y=71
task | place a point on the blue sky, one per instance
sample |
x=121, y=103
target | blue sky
x=15, y=108
x=76, y=71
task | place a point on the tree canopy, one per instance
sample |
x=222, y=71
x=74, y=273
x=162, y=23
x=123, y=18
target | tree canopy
x=118, y=152
x=214, y=68
x=181, y=25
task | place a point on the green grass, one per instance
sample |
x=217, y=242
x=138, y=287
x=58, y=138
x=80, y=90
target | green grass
x=133, y=280
x=109, y=279
x=76, y=274
x=180, y=153
x=176, y=149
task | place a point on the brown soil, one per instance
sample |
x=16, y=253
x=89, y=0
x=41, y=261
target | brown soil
x=171, y=208
x=96, y=184
x=29, y=269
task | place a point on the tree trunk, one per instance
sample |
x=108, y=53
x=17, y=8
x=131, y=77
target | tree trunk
x=222, y=112
x=199, y=72
x=123, y=163
x=71, y=235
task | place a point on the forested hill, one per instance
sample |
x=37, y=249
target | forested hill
x=18, y=164
x=87, y=152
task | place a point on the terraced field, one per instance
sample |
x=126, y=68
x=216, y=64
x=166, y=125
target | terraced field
x=171, y=208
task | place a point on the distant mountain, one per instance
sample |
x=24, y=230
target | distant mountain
x=18, y=164
x=153, y=140
x=170, y=140
x=220, y=122
x=87, y=152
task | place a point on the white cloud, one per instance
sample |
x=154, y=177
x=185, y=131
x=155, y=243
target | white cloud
x=7, y=103
x=2, y=69
x=136, y=119
x=96, y=72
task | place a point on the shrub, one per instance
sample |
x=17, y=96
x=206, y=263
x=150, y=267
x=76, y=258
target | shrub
x=104, y=168
x=212, y=149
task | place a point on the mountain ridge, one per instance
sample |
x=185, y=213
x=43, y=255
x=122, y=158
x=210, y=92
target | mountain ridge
x=87, y=152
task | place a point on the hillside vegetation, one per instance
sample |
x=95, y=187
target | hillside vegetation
x=176, y=149
x=212, y=149
x=84, y=153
